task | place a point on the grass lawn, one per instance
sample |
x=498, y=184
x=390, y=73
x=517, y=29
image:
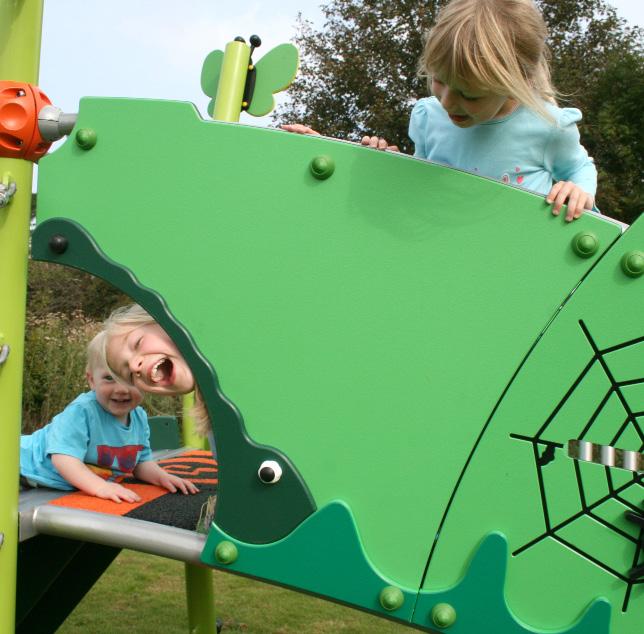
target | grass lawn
x=146, y=594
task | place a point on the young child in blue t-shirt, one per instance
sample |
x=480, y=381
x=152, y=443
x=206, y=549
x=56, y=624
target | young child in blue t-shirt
x=100, y=436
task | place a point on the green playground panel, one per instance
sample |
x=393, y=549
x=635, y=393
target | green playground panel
x=164, y=433
x=564, y=521
x=362, y=327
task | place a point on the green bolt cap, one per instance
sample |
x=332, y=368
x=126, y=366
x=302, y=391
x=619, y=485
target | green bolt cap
x=226, y=553
x=322, y=167
x=391, y=598
x=585, y=244
x=86, y=138
x=633, y=263
x=443, y=615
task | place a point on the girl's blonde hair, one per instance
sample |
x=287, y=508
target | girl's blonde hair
x=96, y=353
x=128, y=318
x=494, y=45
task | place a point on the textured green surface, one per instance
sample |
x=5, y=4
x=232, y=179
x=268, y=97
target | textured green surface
x=572, y=386
x=364, y=325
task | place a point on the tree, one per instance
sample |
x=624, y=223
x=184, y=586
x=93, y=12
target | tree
x=359, y=75
x=358, y=72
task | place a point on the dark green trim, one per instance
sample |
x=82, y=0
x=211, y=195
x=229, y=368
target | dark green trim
x=322, y=556
x=251, y=511
x=164, y=433
x=479, y=598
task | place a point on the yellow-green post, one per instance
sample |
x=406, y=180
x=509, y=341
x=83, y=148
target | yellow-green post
x=200, y=596
x=189, y=436
x=230, y=90
x=20, y=30
x=201, y=602
x=228, y=105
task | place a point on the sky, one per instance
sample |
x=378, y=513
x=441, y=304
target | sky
x=155, y=48
x=152, y=48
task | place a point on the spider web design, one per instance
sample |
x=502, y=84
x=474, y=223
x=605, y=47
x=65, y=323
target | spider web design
x=623, y=488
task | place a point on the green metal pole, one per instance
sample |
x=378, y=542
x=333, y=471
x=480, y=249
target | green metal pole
x=228, y=104
x=201, y=602
x=230, y=89
x=20, y=31
x=189, y=436
x=200, y=596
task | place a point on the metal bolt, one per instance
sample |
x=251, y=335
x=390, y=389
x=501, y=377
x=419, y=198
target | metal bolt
x=58, y=244
x=7, y=190
x=391, y=598
x=322, y=167
x=443, y=615
x=226, y=553
x=585, y=244
x=86, y=138
x=633, y=263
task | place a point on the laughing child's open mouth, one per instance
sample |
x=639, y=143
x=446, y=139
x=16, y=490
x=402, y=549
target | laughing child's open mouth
x=161, y=371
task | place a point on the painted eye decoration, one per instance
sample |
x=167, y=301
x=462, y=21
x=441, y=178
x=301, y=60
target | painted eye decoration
x=269, y=472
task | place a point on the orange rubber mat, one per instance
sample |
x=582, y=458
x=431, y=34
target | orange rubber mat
x=157, y=504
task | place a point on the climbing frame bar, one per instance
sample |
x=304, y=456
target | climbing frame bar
x=20, y=31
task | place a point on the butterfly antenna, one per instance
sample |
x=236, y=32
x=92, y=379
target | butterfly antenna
x=255, y=42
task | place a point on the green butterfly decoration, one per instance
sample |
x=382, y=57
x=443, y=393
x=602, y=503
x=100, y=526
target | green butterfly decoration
x=252, y=85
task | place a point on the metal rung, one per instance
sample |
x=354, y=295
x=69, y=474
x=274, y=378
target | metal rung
x=120, y=532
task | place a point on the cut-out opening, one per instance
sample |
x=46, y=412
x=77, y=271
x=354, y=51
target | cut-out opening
x=65, y=309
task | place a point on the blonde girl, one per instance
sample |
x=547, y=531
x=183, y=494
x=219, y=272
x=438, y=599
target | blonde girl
x=493, y=110
x=140, y=352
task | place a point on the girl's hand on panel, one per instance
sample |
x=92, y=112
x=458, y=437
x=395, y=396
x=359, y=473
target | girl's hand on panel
x=566, y=192
x=378, y=143
x=299, y=128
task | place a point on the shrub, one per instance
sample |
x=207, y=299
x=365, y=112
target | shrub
x=52, y=288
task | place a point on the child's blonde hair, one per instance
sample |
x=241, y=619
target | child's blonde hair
x=96, y=353
x=128, y=318
x=495, y=45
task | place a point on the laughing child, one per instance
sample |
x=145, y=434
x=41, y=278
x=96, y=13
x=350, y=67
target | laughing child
x=100, y=436
x=141, y=354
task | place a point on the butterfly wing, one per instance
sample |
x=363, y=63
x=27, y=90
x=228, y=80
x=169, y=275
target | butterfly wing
x=210, y=73
x=275, y=72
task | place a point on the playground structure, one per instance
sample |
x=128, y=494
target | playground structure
x=427, y=393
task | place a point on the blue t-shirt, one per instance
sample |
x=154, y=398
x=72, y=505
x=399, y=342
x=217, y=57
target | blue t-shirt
x=88, y=432
x=522, y=149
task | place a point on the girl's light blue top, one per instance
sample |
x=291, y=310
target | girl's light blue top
x=522, y=149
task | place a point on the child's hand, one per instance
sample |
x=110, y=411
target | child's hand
x=116, y=493
x=378, y=143
x=299, y=128
x=573, y=195
x=174, y=483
